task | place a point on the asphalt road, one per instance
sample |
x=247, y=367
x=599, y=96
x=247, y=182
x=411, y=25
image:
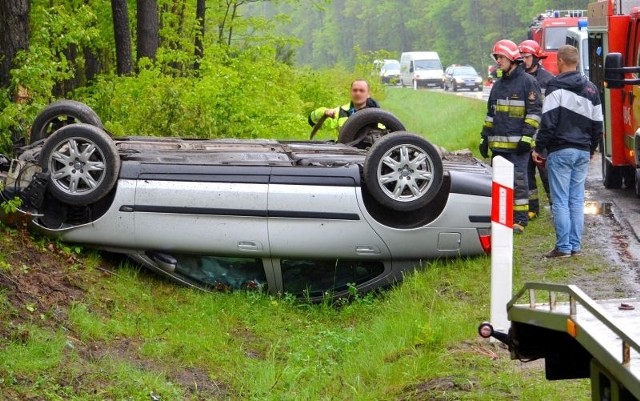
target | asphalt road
x=625, y=204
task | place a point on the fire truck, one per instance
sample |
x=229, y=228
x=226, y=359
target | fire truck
x=549, y=29
x=614, y=57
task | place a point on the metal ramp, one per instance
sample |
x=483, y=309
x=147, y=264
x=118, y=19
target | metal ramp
x=608, y=330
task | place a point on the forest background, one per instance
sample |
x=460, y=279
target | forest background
x=227, y=68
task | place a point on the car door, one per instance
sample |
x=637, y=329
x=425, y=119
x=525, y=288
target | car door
x=314, y=213
x=209, y=210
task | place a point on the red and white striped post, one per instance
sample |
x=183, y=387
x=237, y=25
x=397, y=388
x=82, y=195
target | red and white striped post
x=501, y=242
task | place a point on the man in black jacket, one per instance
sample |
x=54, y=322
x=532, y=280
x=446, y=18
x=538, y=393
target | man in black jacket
x=513, y=115
x=570, y=131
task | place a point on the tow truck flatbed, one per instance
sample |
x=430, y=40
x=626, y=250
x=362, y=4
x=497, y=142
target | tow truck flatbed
x=578, y=337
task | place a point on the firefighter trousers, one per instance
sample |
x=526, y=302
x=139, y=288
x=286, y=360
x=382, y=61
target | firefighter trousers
x=534, y=197
x=520, y=163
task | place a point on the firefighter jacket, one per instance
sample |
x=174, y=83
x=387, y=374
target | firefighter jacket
x=543, y=77
x=342, y=113
x=514, y=109
x=571, y=116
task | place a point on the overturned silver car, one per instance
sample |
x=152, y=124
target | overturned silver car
x=306, y=218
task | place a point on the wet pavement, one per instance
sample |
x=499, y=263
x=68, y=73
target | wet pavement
x=612, y=227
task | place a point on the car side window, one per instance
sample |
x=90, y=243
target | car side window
x=313, y=277
x=222, y=273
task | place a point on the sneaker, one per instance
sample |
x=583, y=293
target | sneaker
x=556, y=254
x=576, y=253
x=533, y=215
x=518, y=228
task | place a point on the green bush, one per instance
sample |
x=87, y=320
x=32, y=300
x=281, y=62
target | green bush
x=244, y=97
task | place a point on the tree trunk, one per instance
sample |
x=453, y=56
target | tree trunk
x=92, y=64
x=14, y=34
x=147, y=35
x=234, y=12
x=221, y=24
x=199, y=46
x=122, y=35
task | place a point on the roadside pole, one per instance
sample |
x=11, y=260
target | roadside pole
x=501, y=242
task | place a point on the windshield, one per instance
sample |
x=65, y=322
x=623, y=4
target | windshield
x=465, y=71
x=555, y=37
x=427, y=65
x=391, y=65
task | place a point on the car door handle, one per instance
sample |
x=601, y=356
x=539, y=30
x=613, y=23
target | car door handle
x=367, y=250
x=249, y=246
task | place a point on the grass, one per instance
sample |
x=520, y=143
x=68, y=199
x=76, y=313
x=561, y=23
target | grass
x=135, y=335
x=453, y=122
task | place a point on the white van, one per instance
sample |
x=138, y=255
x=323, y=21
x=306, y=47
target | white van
x=421, y=69
x=578, y=38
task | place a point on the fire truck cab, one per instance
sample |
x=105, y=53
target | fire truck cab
x=549, y=29
x=614, y=54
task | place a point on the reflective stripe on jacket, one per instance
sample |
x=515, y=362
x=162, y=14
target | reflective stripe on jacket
x=513, y=111
x=342, y=112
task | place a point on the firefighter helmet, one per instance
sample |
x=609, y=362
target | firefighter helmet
x=531, y=47
x=506, y=48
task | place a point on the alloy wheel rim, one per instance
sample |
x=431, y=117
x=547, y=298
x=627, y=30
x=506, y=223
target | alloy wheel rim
x=405, y=173
x=77, y=166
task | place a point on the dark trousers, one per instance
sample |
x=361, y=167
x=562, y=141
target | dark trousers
x=534, y=197
x=520, y=185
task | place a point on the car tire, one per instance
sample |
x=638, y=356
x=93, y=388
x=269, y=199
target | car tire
x=66, y=155
x=358, y=126
x=400, y=158
x=611, y=176
x=60, y=114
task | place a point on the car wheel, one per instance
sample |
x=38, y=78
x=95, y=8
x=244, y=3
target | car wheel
x=83, y=162
x=59, y=114
x=366, y=123
x=611, y=177
x=403, y=171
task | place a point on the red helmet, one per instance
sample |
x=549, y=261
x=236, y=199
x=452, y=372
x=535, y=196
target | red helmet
x=506, y=48
x=531, y=47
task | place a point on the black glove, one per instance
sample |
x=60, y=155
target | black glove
x=524, y=145
x=484, y=148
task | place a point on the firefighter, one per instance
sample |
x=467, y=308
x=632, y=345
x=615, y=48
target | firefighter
x=513, y=116
x=531, y=54
x=360, y=99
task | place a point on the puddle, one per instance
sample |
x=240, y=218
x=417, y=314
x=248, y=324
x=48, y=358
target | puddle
x=597, y=208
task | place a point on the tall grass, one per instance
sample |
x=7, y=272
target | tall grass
x=453, y=122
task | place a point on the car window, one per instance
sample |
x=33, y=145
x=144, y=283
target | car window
x=391, y=65
x=465, y=71
x=555, y=37
x=314, y=277
x=222, y=273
